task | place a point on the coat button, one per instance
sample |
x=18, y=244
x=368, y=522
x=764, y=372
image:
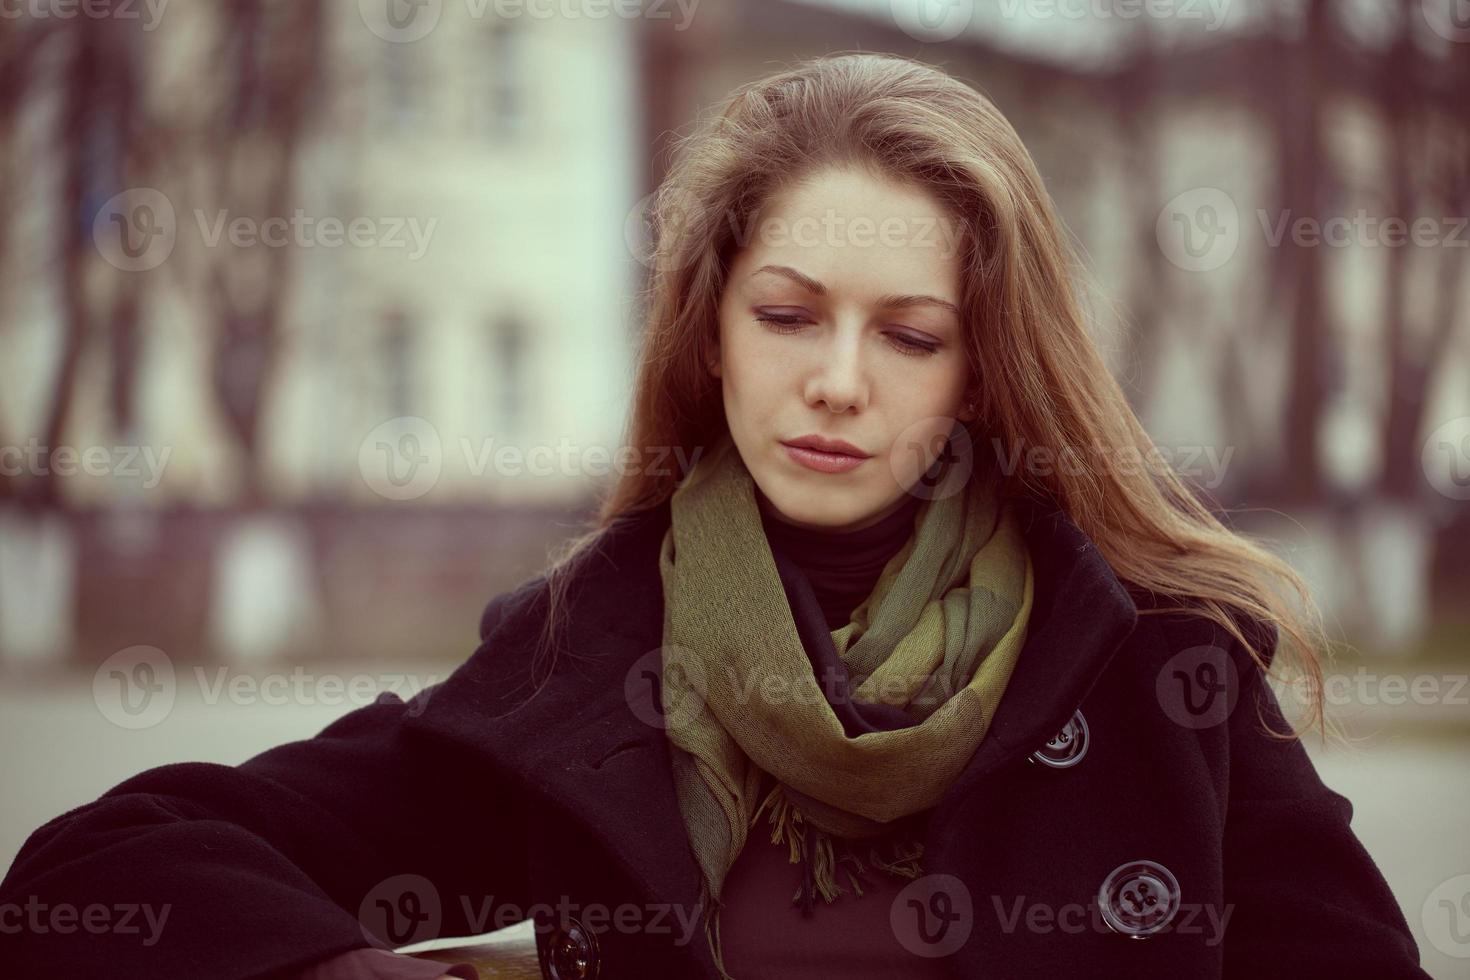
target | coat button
x=572, y=952
x=1139, y=898
x=1066, y=747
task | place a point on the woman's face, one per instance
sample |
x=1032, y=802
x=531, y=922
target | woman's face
x=839, y=321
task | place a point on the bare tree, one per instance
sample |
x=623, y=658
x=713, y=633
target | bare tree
x=1428, y=126
x=271, y=51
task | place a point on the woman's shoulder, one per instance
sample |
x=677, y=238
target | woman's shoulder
x=1180, y=627
x=622, y=554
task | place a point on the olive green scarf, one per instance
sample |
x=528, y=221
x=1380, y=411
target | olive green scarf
x=938, y=637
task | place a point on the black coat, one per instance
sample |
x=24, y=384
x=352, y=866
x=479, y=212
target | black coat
x=457, y=811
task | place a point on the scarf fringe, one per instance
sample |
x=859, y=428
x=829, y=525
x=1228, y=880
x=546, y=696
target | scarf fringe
x=823, y=855
x=712, y=934
x=892, y=855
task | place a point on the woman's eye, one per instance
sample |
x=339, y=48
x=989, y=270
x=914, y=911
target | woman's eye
x=901, y=342
x=912, y=345
x=782, y=323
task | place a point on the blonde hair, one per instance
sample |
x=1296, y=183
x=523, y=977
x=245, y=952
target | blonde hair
x=1039, y=376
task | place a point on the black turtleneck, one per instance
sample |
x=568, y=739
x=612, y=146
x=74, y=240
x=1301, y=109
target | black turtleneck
x=842, y=566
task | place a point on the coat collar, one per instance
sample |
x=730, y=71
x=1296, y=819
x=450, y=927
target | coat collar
x=583, y=745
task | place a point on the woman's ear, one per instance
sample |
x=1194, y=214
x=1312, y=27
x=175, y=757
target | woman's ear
x=969, y=411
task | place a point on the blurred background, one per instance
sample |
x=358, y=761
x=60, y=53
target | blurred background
x=318, y=321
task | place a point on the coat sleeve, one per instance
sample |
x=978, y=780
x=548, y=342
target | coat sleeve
x=264, y=869
x=1304, y=896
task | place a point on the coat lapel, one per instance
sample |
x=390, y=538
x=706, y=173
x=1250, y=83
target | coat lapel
x=1081, y=614
x=590, y=743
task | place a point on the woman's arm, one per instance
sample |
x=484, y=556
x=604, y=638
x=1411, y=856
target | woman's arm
x=1305, y=898
x=269, y=867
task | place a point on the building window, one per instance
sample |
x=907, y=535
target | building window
x=398, y=364
x=506, y=79
x=508, y=353
x=400, y=87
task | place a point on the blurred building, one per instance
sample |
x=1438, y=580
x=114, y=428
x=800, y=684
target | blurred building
x=348, y=442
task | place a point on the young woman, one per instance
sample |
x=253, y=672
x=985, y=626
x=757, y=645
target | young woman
x=914, y=666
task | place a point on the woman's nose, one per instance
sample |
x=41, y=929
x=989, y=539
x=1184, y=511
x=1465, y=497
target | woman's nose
x=840, y=380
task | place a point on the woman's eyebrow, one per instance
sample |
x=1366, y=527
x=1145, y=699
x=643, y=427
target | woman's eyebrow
x=890, y=301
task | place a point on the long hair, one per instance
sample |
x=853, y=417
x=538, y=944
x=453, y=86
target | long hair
x=1041, y=379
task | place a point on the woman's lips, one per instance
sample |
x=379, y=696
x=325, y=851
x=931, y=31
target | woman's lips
x=824, y=462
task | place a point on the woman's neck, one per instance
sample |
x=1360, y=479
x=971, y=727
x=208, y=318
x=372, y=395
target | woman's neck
x=842, y=566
